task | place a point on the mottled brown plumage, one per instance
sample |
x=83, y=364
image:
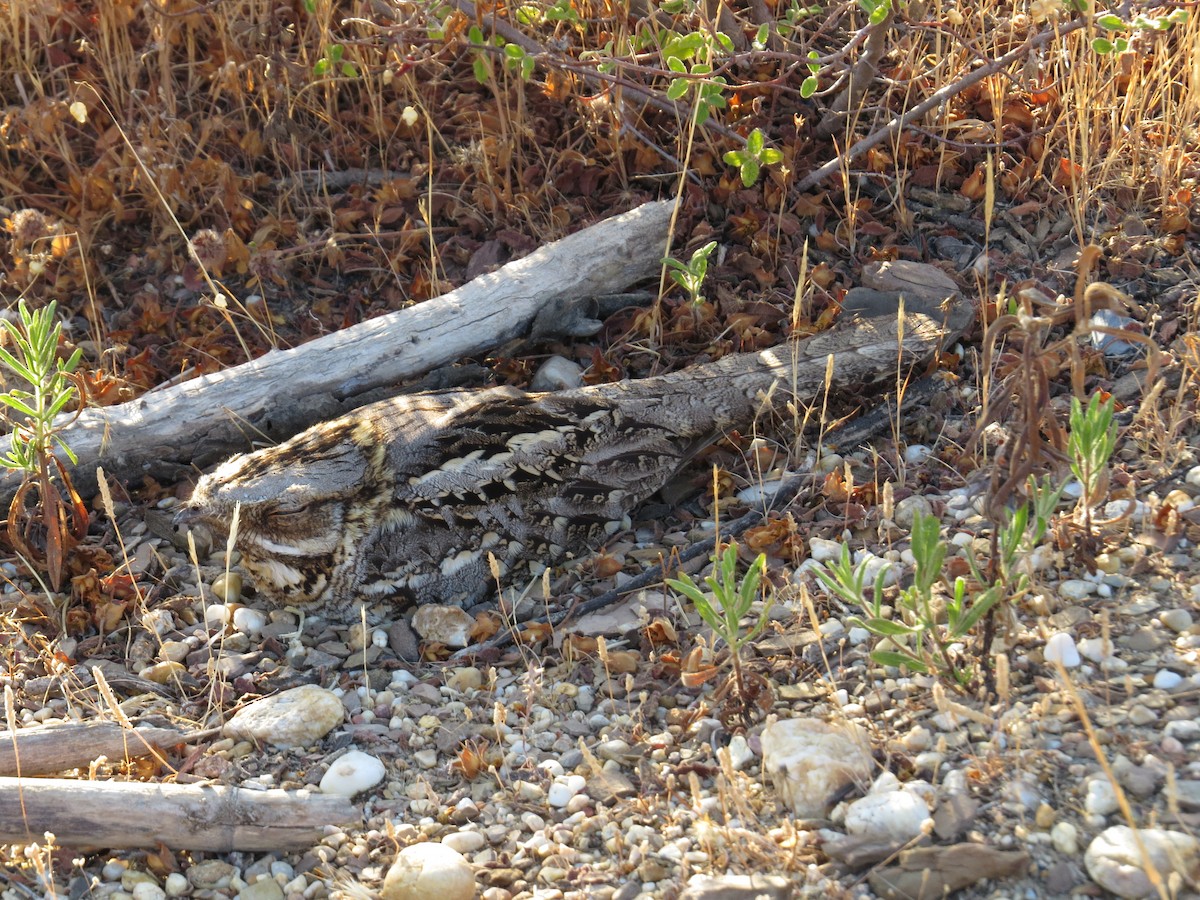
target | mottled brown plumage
x=403, y=500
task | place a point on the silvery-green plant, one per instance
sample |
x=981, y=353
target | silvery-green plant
x=46, y=513
x=731, y=601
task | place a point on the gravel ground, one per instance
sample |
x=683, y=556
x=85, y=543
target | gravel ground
x=602, y=761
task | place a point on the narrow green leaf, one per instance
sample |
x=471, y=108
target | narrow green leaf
x=899, y=661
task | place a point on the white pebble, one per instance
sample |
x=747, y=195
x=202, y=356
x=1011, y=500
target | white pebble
x=1065, y=838
x=1178, y=620
x=426, y=759
x=915, y=453
x=352, y=773
x=1101, y=799
x=909, y=508
x=465, y=841
x=740, y=754
x=1193, y=476
x=176, y=885
x=147, y=890
x=1060, y=648
x=823, y=550
x=249, y=621
x=1165, y=679
x=1096, y=649
x=217, y=614
x=1075, y=588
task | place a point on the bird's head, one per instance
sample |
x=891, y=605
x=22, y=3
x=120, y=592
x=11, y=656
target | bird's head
x=302, y=507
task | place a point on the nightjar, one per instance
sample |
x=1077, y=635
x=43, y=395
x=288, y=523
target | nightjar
x=404, y=500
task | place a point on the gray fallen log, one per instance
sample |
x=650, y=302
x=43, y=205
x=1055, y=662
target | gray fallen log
x=45, y=749
x=123, y=814
x=189, y=426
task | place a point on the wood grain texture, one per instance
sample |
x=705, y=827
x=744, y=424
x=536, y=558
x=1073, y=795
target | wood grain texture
x=170, y=432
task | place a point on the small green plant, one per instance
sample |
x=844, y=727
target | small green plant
x=1090, y=443
x=334, y=60
x=1119, y=44
x=926, y=633
x=689, y=58
x=809, y=86
x=876, y=10
x=46, y=514
x=514, y=55
x=690, y=275
x=730, y=603
x=750, y=160
x=922, y=631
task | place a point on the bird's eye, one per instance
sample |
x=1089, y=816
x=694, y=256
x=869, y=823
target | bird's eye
x=291, y=512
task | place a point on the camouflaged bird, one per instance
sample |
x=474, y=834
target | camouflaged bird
x=403, y=500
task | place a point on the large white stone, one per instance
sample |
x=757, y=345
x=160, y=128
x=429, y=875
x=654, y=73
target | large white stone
x=1116, y=862
x=810, y=762
x=295, y=718
x=429, y=872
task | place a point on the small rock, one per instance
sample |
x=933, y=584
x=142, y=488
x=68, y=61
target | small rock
x=148, y=890
x=897, y=815
x=1096, y=649
x=1060, y=648
x=810, y=762
x=294, y=718
x=449, y=625
x=1075, y=589
x=740, y=754
x=352, y=773
x=228, y=587
x=1187, y=795
x=1065, y=838
x=210, y=875
x=465, y=678
x=1178, y=620
x=557, y=374
x=822, y=550
x=1185, y=730
x=738, y=887
x=1115, y=858
x=1100, y=799
x=563, y=789
x=915, y=453
x=249, y=621
x=1167, y=680
x=263, y=889
x=465, y=841
x=429, y=871
x=1142, y=715
x=1044, y=816
x=909, y=508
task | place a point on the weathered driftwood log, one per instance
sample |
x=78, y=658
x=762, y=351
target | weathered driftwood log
x=169, y=431
x=115, y=815
x=43, y=750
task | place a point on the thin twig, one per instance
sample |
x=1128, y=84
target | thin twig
x=937, y=98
